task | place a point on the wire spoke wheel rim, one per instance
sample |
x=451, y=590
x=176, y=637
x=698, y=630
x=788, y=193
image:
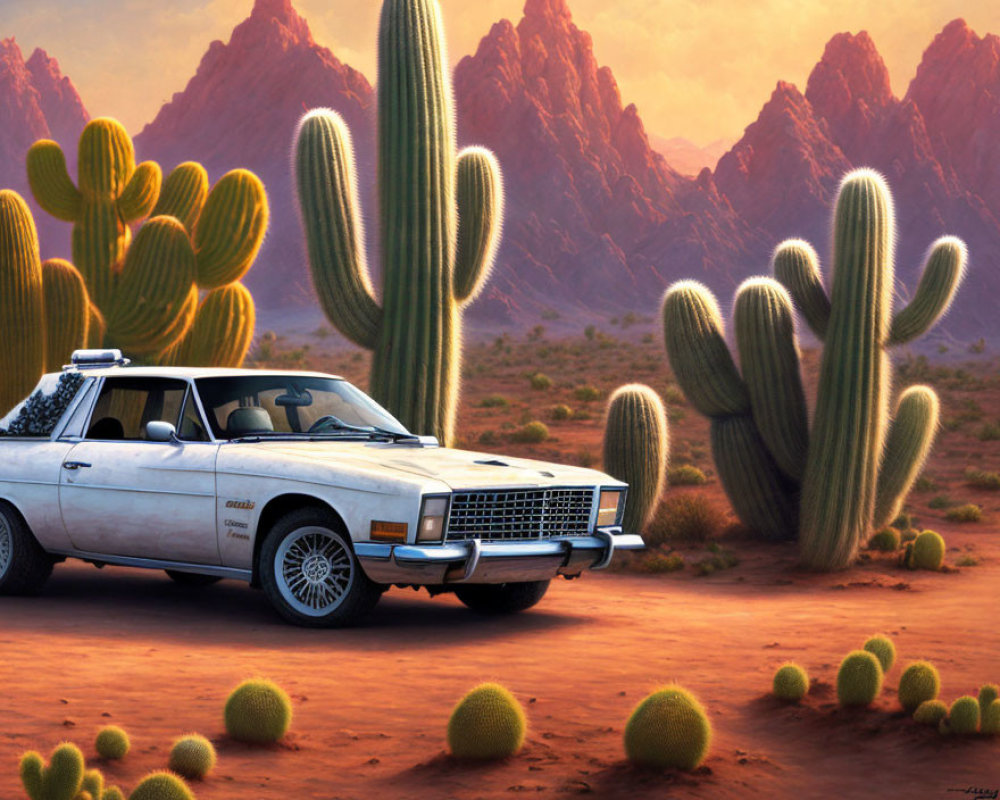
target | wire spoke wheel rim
x=6, y=546
x=313, y=570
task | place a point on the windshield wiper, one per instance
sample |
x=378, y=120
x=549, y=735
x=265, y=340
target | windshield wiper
x=394, y=435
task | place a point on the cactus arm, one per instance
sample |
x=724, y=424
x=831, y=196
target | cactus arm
x=141, y=192
x=769, y=361
x=761, y=496
x=93, y=783
x=796, y=267
x=907, y=446
x=222, y=331
x=698, y=354
x=230, y=230
x=326, y=186
x=105, y=159
x=479, y=194
x=67, y=312
x=50, y=182
x=64, y=777
x=636, y=448
x=943, y=272
x=96, y=327
x=100, y=241
x=152, y=303
x=838, y=490
x=32, y=775
x=183, y=194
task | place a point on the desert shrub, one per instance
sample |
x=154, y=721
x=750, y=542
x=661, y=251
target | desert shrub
x=919, y=683
x=684, y=517
x=924, y=484
x=967, y=561
x=686, y=475
x=886, y=540
x=719, y=560
x=940, y=501
x=979, y=479
x=561, y=412
x=590, y=332
x=585, y=458
x=540, y=382
x=967, y=513
x=531, y=433
x=990, y=432
x=488, y=723
x=536, y=333
x=192, y=757
x=963, y=716
x=883, y=649
x=488, y=437
x=661, y=562
x=902, y=522
x=928, y=551
x=669, y=728
x=909, y=535
x=990, y=723
x=112, y=743
x=161, y=786
x=790, y=683
x=859, y=679
x=930, y=712
x=258, y=712
x=673, y=395
x=587, y=394
x=494, y=401
x=988, y=692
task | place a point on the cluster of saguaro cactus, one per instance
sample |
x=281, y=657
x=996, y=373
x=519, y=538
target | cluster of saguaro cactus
x=144, y=292
x=849, y=475
x=440, y=223
x=636, y=450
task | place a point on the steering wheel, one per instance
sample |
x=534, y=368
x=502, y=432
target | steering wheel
x=325, y=420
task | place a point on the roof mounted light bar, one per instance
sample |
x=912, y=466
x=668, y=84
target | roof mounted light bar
x=96, y=359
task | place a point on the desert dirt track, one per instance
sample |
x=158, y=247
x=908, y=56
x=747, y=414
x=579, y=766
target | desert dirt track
x=371, y=704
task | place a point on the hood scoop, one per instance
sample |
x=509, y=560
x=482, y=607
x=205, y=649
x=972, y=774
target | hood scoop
x=492, y=463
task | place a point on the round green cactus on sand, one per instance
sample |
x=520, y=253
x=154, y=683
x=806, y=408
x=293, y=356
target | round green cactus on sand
x=883, y=649
x=790, y=683
x=990, y=722
x=920, y=682
x=928, y=551
x=192, y=757
x=488, y=723
x=258, y=712
x=859, y=679
x=161, y=786
x=963, y=716
x=930, y=712
x=668, y=729
x=112, y=743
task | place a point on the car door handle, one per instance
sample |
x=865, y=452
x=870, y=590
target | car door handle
x=75, y=464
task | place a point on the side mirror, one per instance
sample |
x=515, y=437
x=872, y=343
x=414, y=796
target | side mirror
x=157, y=431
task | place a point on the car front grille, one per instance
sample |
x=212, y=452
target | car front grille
x=519, y=514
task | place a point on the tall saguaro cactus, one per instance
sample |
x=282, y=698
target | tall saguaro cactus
x=145, y=292
x=852, y=471
x=440, y=218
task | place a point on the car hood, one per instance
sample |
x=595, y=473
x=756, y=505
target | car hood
x=458, y=469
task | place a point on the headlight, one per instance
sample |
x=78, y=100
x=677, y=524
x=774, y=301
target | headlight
x=432, y=518
x=608, y=508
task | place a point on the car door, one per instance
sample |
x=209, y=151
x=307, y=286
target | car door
x=123, y=495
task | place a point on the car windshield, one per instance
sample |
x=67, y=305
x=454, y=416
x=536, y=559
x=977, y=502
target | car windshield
x=276, y=405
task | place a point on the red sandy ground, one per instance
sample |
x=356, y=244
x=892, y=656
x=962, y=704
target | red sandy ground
x=371, y=704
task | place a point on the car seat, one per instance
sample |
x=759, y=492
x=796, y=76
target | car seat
x=248, y=420
x=107, y=429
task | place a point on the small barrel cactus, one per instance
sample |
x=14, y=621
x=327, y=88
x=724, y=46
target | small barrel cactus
x=930, y=712
x=990, y=723
x=636, y=450
x=883, y=649
x=886, y=540
x=112, y=743
x=987, y=694
x=192, y=757
x=488, y=723
x=161, y=786
x=791, y=683
x=113, y=793
x=669, y=729
x=859, y=679
x=919, y=683
x=928, y=551
x=93, y=785
x=62, y=779
x=963, y=716
x=258, y=712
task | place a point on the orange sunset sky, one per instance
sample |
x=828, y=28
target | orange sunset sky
x=696, y=68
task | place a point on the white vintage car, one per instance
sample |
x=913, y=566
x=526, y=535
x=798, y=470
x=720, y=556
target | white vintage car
x=296, y=482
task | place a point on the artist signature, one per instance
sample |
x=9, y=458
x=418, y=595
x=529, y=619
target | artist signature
x=978, y=793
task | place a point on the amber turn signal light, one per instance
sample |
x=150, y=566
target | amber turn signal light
x=388, y=531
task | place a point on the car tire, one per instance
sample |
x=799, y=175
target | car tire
x=192, y=579
x=24, y=565
x=310, y=574
x=502, y=598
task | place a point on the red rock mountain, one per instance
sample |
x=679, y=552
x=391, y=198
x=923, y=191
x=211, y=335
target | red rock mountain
x=782, y=175
x=36, y=102
x=240, y=110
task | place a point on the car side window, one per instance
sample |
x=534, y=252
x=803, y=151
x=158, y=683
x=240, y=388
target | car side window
x=126, y=405
x=192, y=428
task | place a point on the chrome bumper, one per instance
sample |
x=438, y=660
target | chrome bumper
x=475, y=561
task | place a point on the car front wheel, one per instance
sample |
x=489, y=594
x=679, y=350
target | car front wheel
x=310, y=574
x=24, y=565
x=502, y=598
